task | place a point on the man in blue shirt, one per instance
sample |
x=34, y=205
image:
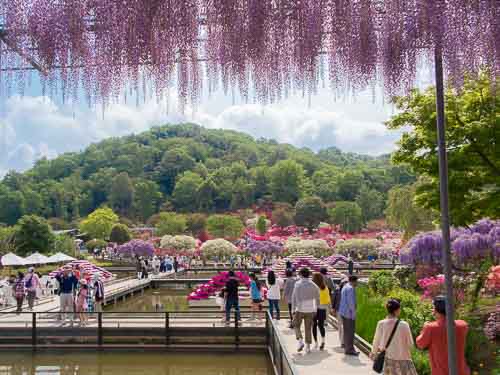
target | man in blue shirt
x=67, y=289
x=347, y=310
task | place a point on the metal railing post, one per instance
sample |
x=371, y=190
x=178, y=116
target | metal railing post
x=99, y=330
x=267, y=329
x=236, y=330
x=281, y=361
x=167, y=328
x=33, y=331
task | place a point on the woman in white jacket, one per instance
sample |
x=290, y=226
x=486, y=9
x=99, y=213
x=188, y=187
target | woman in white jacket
x=398, y=353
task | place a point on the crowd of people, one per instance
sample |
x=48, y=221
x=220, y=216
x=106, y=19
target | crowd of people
x=79, y=294
x=310, y=300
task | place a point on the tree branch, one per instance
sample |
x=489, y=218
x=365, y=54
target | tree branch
x=477, y=149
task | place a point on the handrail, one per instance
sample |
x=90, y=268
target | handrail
x=277, y=351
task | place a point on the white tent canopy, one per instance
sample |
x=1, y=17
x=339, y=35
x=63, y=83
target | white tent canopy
x=11, y=259
x=60, y=258
x=36, y=258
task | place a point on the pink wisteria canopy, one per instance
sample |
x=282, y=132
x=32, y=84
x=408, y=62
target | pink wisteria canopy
x=261, y=48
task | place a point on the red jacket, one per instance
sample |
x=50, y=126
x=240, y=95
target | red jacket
x=433, y=337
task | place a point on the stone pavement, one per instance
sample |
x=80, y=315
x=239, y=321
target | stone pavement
x=331, y=361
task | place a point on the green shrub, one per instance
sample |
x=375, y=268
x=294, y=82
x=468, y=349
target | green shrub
x=92, y=244
x=483, y=360
x=370, y=309
x=382, y=282
x=406, y=276
x=421, y=361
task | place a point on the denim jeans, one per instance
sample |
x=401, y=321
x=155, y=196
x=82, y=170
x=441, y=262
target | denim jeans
x=274, y=304
x=230, y=303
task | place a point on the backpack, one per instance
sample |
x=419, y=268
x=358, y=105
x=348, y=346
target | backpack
x=29, y=282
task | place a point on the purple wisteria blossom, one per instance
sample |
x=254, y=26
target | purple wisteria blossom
x=264, y=47
x=136, y=248
x=263, y=247
x=468, y=246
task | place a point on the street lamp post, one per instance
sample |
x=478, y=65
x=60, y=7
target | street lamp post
x=445, y=215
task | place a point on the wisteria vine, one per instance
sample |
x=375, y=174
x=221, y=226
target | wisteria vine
x=469, y=246
x=263, y=47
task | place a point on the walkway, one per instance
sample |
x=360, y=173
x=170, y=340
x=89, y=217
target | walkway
x=50, y=304
x=330, y=361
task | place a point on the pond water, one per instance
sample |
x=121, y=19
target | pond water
x=135, y=363
x=167, y=300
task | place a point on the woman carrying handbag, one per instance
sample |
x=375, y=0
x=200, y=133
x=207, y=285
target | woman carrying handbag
x=392, y=344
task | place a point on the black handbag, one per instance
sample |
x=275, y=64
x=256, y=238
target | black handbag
x=378, y=363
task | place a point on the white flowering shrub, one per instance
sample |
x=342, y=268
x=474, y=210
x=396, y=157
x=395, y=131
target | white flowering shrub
x=318, y=248
x=218, y=247
x=178, y=243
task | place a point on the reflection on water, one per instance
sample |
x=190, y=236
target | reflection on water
x=161, y=299
x=133, y=364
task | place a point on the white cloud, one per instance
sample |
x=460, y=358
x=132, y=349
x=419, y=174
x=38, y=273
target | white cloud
x=33, y=127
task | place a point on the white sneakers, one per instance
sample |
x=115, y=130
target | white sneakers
x=300, y=346
x=308, y=348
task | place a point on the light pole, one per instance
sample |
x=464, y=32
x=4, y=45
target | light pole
x=445, y=215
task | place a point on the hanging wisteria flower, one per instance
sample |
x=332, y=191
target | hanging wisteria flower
x=263, y=247
x=136, y=248
x=264, y=47
x=469, y=246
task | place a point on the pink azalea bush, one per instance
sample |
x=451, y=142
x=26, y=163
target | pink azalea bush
x=431, y=286
x=216, y=283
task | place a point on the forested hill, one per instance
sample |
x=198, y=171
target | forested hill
x=189, y=168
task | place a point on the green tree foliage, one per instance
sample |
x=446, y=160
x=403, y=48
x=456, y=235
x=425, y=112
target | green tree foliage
x=170, y=223
x=140, y=175
x=8, y=240
x=173, y=163
x=371, y=202
x=196, y=224
x=99, y=223
x=33, y=234
x=261, y=225
x=185, y=193
x=283, y=217
x=120, y=234
x=64, y=244
x=473, y=134
x=146, y=198
x=349, y=185
x=224, y=226
x=287, y=181
x=122, y=193
x=95, y=244
x=404, y=214
x=309, y=212
x=13, y=206
x=325, y=183
x=348, y=215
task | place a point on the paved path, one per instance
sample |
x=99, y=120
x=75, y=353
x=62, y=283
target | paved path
x=330, y=361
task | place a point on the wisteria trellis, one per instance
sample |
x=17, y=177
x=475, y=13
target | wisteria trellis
x=264, y=47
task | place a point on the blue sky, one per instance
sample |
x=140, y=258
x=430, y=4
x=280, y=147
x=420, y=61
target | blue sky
x=32, y=126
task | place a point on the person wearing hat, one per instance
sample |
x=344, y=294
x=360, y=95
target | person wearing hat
x=434, y=338
x=32, y=284
x=81, y=301
x=394, y=337
x=67, y=287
